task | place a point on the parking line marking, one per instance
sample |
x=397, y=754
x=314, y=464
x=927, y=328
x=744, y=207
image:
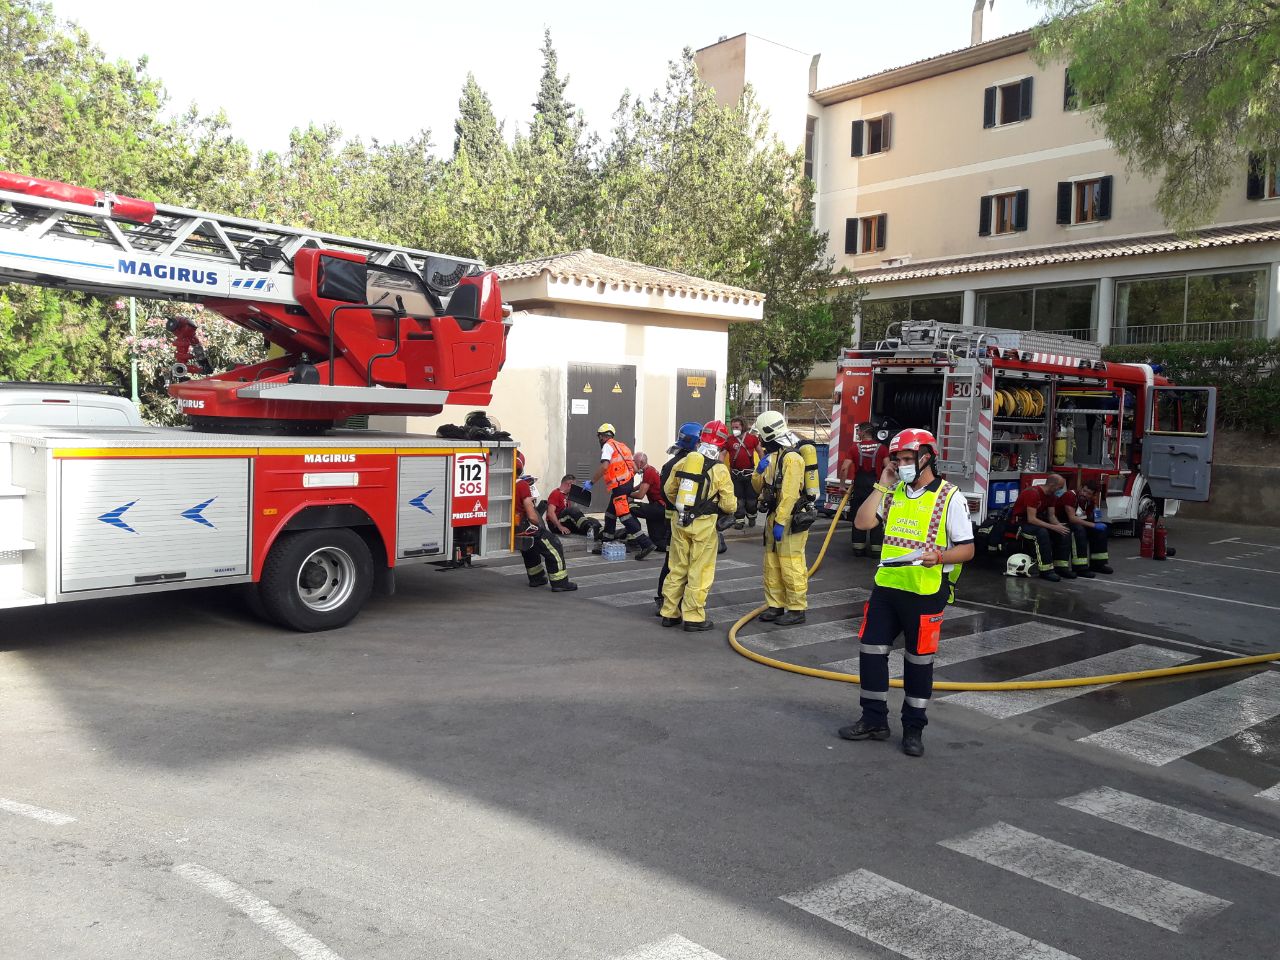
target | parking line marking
x=1182, y=827
x=1229, y=566
x=914, y=924
x=637, y=570
x=1198, y=596
x=259, y=911
x=674, y=947
x=635, y=598
x=36, y=813
x=1164, y=736
x=1086, y=875
x=1011, y=703
x=513, y=569
x=987, y=643
x=1249, y=543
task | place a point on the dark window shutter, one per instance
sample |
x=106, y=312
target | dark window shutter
x=886, y=135
x=989, y=107
x=1255, y=185
x=1068, y=91
x=882, y=230
x=851, y=235
x=855, y=139
x=1104, y=199
x=1020, y=204
x=1064, y=202
x=984, y=216
x=1025, y=100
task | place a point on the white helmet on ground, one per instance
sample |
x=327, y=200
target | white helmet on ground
x=771, y=427
x=1019, y=565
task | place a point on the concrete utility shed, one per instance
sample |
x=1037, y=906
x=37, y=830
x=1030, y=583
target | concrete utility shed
x=596, y=339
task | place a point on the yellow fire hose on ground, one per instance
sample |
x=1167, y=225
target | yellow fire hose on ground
x=952, y=685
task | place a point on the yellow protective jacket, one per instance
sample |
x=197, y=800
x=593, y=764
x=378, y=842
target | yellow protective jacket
x=792, y=486
x=718, y=488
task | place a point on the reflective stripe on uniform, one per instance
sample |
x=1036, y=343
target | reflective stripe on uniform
x=874, y=694
x=920, y=658
x=874, y=649
x=918, y=702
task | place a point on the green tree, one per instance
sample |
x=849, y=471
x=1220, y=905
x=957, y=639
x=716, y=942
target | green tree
x=1185, y=89
x=477, y=131
x=553, y=113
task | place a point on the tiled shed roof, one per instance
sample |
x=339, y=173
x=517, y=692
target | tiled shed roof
x=1228, y=236
x=597, y=268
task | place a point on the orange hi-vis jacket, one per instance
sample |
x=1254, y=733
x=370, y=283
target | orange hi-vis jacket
x=622, y=465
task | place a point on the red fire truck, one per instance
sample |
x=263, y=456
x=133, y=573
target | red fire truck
x=261, y=489
x=1008, y=407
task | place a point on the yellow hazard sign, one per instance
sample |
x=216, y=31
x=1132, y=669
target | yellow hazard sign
x=617, y=387
x=696, y=392
x=587, y=388
x=695, y=381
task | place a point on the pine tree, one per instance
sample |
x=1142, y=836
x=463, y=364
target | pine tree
x=477, y=130
x=553, y=115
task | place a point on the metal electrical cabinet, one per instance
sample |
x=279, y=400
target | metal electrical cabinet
x=133, y=522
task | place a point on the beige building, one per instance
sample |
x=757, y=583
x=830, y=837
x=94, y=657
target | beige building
x=596, y=339
x=972, y=187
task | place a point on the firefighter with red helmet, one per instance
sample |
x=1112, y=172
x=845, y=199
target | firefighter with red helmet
x=928, y=535
x=700, y=490
x=539, y=547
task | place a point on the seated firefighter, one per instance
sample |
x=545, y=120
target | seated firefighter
x=564, y=518
x=648, y=502
x=539, y=547
x=1081, y=510
x=1040, y=534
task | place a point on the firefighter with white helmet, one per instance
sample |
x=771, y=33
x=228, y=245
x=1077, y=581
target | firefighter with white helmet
x=780, y=481
x=618, y=470
x=699, y=489
x=928, y=534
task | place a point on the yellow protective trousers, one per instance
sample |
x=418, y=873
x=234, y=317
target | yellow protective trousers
x=786, y=574
x=691, y=556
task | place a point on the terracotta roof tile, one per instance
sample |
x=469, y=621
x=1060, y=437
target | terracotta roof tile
x=597, y=268
x=1227, y=236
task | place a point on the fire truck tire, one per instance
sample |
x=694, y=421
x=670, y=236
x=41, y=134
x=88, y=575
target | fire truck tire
x=316, y=579
x=1146, y=508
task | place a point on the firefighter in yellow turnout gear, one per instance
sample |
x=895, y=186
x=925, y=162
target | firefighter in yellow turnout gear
x=780, y=480
x=700, y=490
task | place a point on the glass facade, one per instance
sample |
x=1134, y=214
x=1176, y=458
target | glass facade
x=1069, y=311
x=1204, y=306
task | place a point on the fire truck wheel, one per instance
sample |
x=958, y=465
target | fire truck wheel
x=316, y=579
x=1146, y=508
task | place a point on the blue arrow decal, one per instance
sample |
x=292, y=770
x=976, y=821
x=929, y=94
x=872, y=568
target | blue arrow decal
x=196, y=513
x=420, y=502
x=113, y=517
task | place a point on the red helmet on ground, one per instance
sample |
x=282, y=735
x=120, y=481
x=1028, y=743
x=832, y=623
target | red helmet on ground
x=912, y=440
x=519, y=463
x=715, y=433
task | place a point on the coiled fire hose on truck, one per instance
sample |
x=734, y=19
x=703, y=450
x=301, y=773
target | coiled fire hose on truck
x=954, y=685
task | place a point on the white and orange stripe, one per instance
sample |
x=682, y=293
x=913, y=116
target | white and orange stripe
x=982, y=452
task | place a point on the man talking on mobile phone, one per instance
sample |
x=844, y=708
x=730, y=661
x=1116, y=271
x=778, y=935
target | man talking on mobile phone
x=927, y=535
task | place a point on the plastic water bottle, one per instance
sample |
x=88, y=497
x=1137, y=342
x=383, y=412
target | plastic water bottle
x=614, y=550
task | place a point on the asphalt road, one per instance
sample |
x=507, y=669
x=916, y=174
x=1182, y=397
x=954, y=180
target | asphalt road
x=477, y=770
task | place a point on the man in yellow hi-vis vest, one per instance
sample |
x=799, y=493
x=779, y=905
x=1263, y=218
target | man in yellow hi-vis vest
x=927, y=535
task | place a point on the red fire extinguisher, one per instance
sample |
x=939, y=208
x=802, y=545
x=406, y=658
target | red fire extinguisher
x=1159, y=545
x=1147, y=548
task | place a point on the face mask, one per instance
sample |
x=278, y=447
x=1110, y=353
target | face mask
x=1058, y=493
x=737, y=433
x=907, y=472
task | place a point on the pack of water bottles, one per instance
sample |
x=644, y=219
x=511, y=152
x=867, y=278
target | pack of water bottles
x=613, y=550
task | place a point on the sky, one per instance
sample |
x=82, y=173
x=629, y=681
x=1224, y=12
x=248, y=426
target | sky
x=386, y=69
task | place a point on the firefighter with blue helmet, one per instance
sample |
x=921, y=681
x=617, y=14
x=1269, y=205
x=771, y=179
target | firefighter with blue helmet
x=686, y=442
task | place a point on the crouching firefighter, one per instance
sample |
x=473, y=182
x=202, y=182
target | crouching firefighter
x=618, y=470
x=780, y=479
x=539, y=547
x=700, y=490
x=928, y=535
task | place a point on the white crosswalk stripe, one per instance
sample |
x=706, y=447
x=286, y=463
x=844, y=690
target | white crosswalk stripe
x=1271, y=793
x=913, y=924
x=816, y=633
x=1086, y=875
x=636, y=571
x=1164, y=736
x=635, y=598
x=1011, y=703
x=1182, y=827
x=576, y=563
x=674, y=947
x=818, y=601
x=987, y=643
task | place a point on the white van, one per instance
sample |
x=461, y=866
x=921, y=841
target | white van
x=65, y=404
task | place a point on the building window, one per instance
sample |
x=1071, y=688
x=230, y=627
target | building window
x=1191, y=307
x=1006, y=103
x=810, y=145
x=1003, y=213
x=1067, y=311
x=1072, y=98
x=865, y=234
x=877, y=316
x=1084, y=201
x=868, y=137
x=1264, y=177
